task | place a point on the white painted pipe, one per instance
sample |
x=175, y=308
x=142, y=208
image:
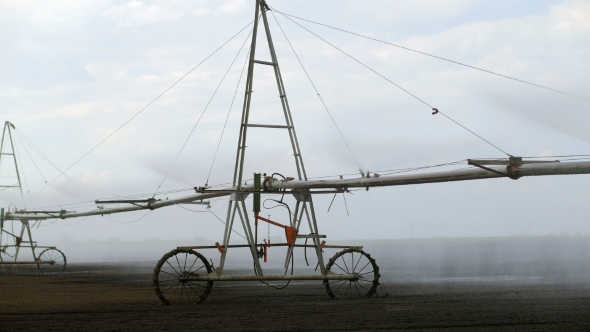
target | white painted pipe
x=434, y=177
x=566, y=168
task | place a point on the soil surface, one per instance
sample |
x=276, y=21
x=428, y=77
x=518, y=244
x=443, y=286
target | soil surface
x=119, y=297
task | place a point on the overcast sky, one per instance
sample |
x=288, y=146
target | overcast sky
x=74, y=71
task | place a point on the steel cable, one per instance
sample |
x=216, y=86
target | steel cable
x=435, y=110
x=205, y=110
x=227, y=118
x=433, y=56
x=145, y=107
x=25, y=139
x=38, y=170
x=317, y=92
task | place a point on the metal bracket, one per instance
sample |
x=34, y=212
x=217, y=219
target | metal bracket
x=130, y=201
x=264, y=62
x=301, y=196
x=290, y=232
x=510, y=161
x=512, y=165
x=238, y=197
x=267, y=126
x=469, y=162
x=310, y=236
x=219, y=247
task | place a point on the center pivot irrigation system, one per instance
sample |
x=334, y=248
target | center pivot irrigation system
x=186, y=275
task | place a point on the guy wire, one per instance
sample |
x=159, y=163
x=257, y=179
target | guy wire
x=204, y=110
x=433, y=56
x=145, y=107
x=317, y=92
x=435, y=110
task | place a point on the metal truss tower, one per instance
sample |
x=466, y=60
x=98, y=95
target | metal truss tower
x=304, y=206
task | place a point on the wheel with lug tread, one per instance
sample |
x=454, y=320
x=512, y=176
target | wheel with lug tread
x=168, y=273
x=353, y=261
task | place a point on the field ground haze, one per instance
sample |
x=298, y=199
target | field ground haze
x=508, y=284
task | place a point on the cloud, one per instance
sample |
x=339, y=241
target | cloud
x=571, y=17
x=61, y=13
x=421, y=10
x=231, y=6
x=125, y=133
x=136, y=13
x=201, y=11
x=94, y=178
x=89, y=81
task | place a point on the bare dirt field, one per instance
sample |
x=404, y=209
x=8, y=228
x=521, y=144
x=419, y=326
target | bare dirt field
x=119, y=297
x=488, y=284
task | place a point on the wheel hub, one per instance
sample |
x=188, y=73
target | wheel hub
x=184, y=278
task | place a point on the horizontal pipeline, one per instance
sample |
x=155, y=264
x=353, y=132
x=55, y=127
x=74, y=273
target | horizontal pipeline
x=565, y=168
x=271, y=245
x=25, y=263
x=513, y=171
x=273, y=277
